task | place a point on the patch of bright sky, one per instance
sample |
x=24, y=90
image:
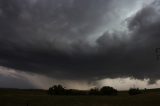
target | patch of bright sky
x=43, y=82
x=118, y=17
x=127, y=83
x=37, y=81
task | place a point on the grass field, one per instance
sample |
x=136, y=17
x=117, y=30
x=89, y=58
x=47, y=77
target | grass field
x=40, y=98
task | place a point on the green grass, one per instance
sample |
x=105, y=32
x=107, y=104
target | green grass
x=40, y=98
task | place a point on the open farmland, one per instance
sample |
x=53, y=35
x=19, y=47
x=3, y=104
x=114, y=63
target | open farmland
x=40, y=98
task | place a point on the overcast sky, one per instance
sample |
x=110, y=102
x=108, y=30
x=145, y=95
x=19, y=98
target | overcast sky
x=79, y=43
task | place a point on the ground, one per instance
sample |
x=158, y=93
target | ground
x=40, y=98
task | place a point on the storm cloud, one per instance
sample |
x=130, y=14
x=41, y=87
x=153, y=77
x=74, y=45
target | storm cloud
x=81, y=39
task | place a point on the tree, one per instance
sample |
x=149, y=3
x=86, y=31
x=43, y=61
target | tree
x=60, y=90
x=134, y=91
x=94, y=91
x=56, y=90
x=106, y=90
x=50, y=91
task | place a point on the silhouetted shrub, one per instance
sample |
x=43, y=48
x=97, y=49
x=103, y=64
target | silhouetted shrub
x=60, y=90
x=106, y=90
x=50, y=91
x=134, y=91
x=94, y=91
x=57, y=90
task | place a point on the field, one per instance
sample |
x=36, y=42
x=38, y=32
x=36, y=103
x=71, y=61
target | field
x=40, y=98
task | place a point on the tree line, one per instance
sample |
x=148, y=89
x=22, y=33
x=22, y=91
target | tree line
x=60, y=90
x=105, y=90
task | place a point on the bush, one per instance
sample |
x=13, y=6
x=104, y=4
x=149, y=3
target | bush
x=134, y=91
x=60, y=90
x=50, y=91
x=106, y=90
x=94, y=91
x=56, y=90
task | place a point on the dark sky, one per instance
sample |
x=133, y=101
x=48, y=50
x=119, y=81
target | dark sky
x=81, y=39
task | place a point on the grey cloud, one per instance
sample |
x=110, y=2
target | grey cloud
x=11, y=82
x=52, y=37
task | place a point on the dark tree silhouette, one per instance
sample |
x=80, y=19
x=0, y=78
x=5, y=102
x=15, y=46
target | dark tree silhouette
x=56, y=90
x=134, y=91
x=106, y=90
x=50, y=91
x=94, y=91
x=60, y=90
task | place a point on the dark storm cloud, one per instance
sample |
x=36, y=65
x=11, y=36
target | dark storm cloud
x=14, y=83
x=136, y=56
x=52, y=37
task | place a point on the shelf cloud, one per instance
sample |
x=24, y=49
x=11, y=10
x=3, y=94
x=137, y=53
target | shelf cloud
x=81, y=39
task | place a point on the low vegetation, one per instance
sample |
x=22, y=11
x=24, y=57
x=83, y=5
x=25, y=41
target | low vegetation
x=60, y=90
x=93, y=97
x=135, y=91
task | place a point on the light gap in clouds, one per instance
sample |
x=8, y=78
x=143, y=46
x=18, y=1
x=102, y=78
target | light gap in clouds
x=43, y=82
x=119, y=16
